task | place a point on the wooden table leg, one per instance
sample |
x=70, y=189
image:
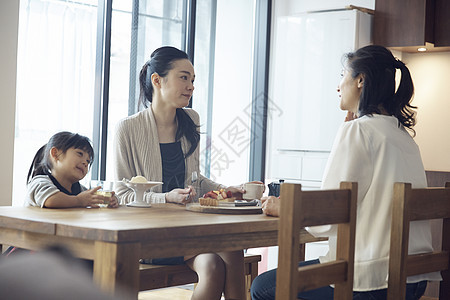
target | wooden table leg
x=116, y=267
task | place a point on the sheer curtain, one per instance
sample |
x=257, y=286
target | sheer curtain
x=55, y=77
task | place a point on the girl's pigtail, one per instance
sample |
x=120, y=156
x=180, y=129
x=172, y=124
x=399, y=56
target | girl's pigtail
x=37, y=167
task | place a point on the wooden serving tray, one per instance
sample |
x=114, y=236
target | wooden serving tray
x=230, y=210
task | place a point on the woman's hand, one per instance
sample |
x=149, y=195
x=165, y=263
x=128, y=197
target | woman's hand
x=114, y=201
x=271, y=206
x=181, y=196
x=238, y=190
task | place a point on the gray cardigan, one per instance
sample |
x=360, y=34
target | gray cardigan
x=137, y=152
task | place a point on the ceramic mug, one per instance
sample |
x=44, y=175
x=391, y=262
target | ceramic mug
x=253, y=191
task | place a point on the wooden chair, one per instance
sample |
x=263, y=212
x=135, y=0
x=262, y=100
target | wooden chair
x=412, y=205
x=311, y=208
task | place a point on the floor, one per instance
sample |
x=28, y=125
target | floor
x=183, y=292
x=178, y=293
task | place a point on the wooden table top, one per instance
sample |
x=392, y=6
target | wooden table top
x=115, y=239
x=127, y=224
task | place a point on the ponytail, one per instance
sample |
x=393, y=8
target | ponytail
x=146, y=87
x=378, y=95
x=37, y=167
x=404, y=110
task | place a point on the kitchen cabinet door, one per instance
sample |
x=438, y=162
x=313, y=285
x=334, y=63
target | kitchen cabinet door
x=442, y=23
x=409, y=24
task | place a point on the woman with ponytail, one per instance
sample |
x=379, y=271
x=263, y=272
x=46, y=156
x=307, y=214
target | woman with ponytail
x=374, y=148
x=161, y=143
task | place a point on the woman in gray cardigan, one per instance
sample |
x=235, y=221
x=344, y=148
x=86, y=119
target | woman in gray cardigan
x=161, y=144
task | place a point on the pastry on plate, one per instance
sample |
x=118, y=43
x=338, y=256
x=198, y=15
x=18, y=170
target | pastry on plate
x=213, y=198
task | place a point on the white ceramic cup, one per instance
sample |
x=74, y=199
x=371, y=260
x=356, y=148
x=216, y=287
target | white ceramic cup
x=253, y=191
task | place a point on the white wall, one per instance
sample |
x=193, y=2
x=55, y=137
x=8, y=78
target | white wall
x=9, y=24
x=431, y=77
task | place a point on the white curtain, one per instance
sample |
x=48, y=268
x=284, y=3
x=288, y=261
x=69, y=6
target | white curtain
x=55, y=77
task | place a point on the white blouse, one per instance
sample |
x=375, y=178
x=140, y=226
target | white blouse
x=375, y=151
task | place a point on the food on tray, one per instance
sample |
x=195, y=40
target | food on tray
x=212, y=198
x=138, y=179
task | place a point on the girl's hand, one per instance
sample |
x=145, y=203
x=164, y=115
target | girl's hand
x=90, y=198
x=114, y=202
x=271, y=206
x=181, y=196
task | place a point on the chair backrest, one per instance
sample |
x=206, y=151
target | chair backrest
x=413, y=205
x=300, y=209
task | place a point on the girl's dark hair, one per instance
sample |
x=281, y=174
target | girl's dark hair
x=63, y=141
x=378, y=65
x=161, y=62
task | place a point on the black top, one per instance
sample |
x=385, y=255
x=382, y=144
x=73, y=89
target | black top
x=173, y=167
x=76, y=187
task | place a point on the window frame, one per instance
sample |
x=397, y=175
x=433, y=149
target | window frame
x=263, y=12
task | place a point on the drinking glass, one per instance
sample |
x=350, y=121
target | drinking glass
x=106, y=190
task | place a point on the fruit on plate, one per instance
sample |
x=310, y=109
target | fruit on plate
x=212, y=198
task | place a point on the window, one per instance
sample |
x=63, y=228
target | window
x=135, y=33
x=223, y=91
x=55, y=77
x=58, y=70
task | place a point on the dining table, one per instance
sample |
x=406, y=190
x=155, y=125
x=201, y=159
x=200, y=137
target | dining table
x=116, y=238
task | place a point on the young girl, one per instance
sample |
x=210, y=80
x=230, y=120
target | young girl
x=57, y=168
x=161, y=144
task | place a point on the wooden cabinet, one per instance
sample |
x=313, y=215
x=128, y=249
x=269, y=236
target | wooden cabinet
x=442, y=23
x=407, y=24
